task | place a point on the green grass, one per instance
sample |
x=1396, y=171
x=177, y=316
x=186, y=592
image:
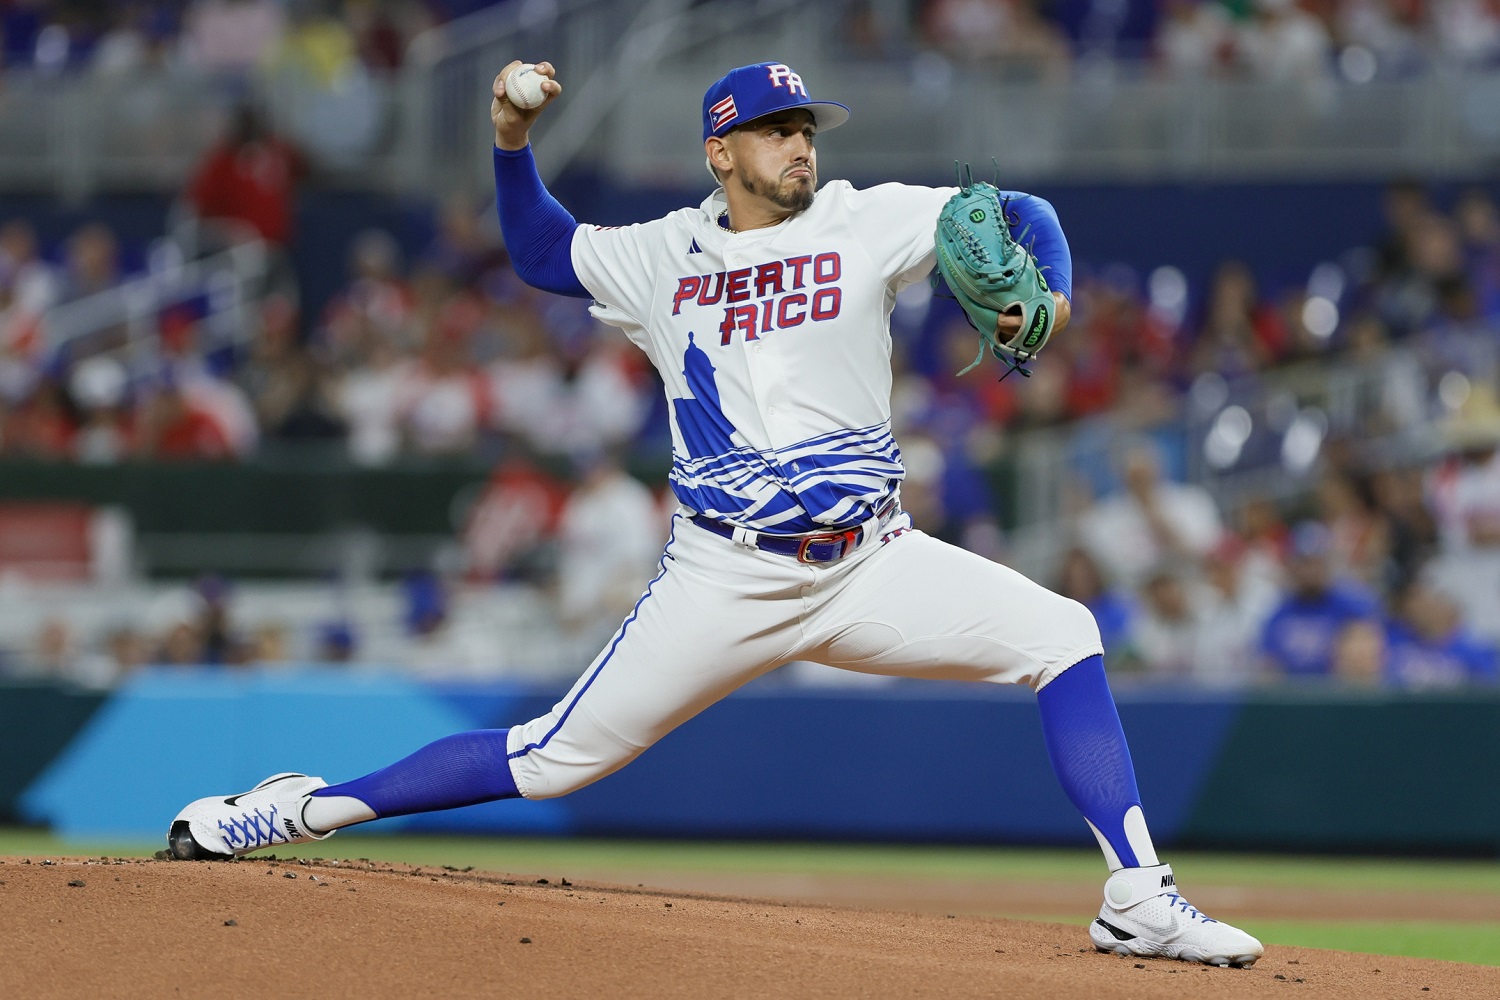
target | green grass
x=1463, y=942
x=1477, y=943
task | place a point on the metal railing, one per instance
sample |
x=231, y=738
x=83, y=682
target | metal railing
x=124, y=321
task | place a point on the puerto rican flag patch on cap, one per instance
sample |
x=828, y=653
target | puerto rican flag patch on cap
x=722, y=112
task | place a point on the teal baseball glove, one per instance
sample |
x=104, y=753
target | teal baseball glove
x=990, y=272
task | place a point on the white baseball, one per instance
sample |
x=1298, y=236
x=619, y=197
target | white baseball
x=523, y=86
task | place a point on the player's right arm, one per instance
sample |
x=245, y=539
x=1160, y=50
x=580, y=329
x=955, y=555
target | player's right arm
x=548, y=248
x=538, y=230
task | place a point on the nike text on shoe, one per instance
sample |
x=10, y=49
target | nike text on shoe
x=268, y=815
x=1165, y=925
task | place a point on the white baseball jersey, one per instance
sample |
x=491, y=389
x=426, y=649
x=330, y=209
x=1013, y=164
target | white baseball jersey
x=767, y=343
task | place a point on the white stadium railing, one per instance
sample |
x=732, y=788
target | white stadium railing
x=124, y=321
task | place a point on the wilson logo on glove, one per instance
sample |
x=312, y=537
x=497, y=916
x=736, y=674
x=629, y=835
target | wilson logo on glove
x=1040, y=324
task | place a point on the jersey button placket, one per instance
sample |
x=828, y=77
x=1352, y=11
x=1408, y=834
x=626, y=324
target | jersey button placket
x=763, y=372
x=762, y=367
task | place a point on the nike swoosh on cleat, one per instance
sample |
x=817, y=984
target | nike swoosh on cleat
x=234, y=800
x=1120, y=935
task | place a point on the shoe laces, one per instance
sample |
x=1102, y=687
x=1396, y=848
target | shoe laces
x=1177, y=902
x=253, y=829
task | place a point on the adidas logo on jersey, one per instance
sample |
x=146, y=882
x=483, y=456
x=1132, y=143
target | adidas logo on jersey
x=695, y=248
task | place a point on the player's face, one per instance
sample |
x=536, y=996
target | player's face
x=774, y=159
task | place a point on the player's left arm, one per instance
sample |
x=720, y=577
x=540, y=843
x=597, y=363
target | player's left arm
x=1043, y=235
x=895, y=225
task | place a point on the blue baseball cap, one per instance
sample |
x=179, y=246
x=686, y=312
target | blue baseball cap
x=750, y=92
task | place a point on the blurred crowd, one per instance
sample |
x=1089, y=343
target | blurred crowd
x=172, y=68
x=1367, y=589
x=445, y=353
x=446, y=356
x=1270, y=40
x=325, y=38
x=1274, y=41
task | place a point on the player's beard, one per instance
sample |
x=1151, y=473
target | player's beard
x=795, y=195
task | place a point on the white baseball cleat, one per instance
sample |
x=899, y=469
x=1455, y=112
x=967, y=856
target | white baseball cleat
x=269, y=815
x=1165, y=925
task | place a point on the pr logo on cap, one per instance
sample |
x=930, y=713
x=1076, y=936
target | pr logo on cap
x=782, y=75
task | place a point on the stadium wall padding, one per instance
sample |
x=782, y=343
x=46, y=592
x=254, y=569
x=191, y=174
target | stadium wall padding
x=1290, y=770
x=37, y=722
x=311, y=496
x=1363, y=774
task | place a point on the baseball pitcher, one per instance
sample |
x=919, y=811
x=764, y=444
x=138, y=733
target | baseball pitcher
x=766, y=311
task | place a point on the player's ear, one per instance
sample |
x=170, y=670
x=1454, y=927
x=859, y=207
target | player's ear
x=719, y=157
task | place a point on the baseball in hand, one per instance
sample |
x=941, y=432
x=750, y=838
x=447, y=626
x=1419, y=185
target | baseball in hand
x=523, y=86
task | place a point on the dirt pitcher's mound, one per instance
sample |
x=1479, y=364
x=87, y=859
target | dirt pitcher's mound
x=259, y=928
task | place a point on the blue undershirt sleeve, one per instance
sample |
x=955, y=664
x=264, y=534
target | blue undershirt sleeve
x=1050, y=246
x=538, y=230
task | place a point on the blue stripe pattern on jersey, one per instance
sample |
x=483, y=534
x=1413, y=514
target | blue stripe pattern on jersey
x=830, y=481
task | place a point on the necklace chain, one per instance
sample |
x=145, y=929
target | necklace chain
x=724, y=222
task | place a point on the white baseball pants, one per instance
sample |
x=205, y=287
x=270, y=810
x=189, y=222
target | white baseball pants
x=719, y=614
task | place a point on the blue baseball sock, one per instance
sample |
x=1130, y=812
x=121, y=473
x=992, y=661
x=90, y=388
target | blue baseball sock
x=1087, y=746
x=459, y=770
